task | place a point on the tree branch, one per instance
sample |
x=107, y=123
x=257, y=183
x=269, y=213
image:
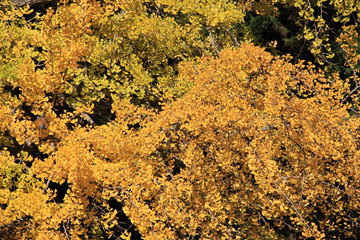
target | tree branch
x=20, y=3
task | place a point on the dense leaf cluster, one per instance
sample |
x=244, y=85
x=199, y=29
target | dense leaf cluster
x=163, y=119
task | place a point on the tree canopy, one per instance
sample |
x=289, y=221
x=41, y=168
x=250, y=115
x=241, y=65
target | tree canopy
x=179, y=119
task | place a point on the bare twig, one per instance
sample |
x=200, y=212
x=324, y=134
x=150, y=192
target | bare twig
x=232, y=36
x=66, y=232
x=356, y=88
x=20, y=3
x=293, y=206
x=213, y=42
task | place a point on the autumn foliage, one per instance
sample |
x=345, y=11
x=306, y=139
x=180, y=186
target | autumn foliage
x=164, y=120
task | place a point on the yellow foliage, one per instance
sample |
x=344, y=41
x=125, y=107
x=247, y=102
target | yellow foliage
x=271, y=143
x=240, y=144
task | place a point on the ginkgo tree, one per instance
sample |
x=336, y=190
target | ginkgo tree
x=258, y=148
x=152, y=120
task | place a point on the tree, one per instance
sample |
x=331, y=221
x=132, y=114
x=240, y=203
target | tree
x=107, y=130
x=272, y=152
